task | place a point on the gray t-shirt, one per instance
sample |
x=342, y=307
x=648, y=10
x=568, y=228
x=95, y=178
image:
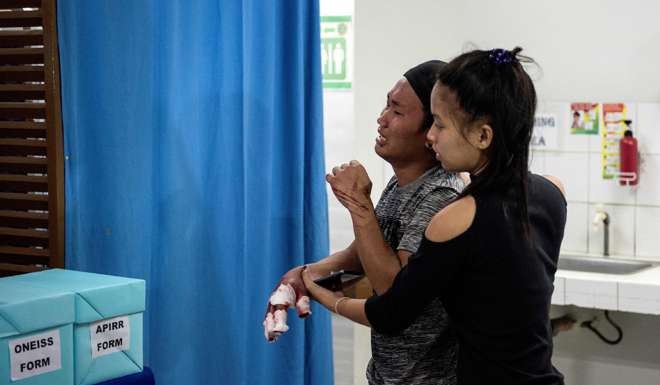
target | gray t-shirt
x=424, y=353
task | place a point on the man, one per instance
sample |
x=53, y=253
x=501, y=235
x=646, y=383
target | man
x=425, y=353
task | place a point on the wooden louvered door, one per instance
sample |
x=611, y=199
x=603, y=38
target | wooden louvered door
x=31, y=164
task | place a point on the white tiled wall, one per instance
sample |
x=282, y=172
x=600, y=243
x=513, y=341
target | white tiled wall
x=634, y=211
x=647, y=232
x=571, y=168
x=622, y=229
x=648, y=192
x=606, y=191
x=537, y=162
x=648, y=115
x=576, y=233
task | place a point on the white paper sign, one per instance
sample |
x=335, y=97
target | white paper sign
x=36, y=354
x=110, y=336
x=546, y=134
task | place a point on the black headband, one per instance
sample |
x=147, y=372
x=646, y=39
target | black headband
x=422, y=78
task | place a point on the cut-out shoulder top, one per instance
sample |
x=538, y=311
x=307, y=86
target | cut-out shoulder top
x=495, y=285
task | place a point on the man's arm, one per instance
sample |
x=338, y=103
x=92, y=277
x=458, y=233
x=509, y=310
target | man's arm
x=380, y=263
x=346, y=259
x=372, y=246
x=352, y=186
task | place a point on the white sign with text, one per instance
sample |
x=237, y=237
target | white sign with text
x=546, y=133
x=110, y=336
x=37, y=354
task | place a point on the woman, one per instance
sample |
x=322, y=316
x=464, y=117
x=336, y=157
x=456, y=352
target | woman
x=491, y=255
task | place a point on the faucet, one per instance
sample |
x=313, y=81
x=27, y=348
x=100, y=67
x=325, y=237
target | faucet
x=604, y=217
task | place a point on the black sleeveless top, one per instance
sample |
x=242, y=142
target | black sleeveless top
x=495, y=285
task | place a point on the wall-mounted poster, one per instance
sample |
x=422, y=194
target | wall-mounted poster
x=585, y=118
x=615, y=123
x=546, y=134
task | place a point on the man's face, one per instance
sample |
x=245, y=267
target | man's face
x=400, y=134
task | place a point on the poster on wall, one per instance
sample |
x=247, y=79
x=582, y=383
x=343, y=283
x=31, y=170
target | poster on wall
x=615, y=123
x=546, y=134
x=585, y=118
x=336, y=51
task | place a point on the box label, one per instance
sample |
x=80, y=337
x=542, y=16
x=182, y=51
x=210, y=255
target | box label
x=110, y=336
x=36, y=354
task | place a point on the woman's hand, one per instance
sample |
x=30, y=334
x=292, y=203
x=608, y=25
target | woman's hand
x=350, y=308
x=322, y=295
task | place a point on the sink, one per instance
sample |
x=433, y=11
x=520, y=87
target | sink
x=601, y=265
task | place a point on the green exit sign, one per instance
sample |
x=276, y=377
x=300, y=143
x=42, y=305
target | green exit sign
x=336, y=33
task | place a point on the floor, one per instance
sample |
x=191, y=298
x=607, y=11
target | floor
x=342, y=341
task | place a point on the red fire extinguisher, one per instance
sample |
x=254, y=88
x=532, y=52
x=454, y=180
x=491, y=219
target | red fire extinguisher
x=629, y=162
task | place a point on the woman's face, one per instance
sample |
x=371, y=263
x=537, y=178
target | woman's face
x=455, y=150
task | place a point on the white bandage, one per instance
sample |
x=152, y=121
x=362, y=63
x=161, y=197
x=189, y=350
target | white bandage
x=284, y=295
x=269, y=324
x=275, y=323
x=280, y=322
x=303, y=306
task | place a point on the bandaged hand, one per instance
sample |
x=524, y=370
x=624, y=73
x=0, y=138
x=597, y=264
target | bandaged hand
x=289, y=292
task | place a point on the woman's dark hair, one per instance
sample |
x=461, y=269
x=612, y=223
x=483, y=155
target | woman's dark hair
x=492, y=87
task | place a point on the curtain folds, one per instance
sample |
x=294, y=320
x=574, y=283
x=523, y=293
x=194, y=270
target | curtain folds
x=194, y=160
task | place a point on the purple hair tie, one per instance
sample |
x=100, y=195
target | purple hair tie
x=501, y=56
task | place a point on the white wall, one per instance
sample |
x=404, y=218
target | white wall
x=339, y=132
x=603, y=51
x=587, y=50
x=634, y=211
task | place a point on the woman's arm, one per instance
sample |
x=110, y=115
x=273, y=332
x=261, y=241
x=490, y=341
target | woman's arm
x=350, y=308
x=431, y=273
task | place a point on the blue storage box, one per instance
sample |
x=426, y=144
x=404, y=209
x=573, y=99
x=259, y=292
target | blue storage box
x=108, y=321
x=144, y=378
x=36, y=335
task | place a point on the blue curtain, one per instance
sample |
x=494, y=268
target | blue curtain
x=194, y=160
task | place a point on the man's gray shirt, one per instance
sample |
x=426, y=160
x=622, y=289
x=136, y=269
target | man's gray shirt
x=424, y=353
